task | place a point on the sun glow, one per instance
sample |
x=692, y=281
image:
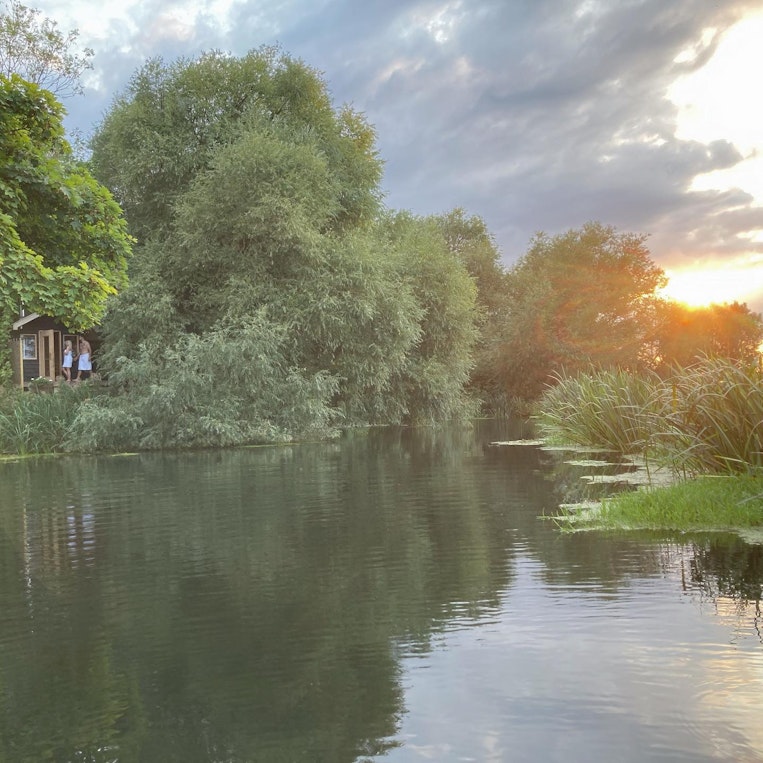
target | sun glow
x=718, y=102
x=699, y=287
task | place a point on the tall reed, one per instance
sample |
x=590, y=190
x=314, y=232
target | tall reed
x=715, y=420
x=707, y=418
x=609, y=409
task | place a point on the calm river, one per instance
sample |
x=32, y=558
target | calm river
x=392, y=596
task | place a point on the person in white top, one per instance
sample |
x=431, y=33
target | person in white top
x=66, y=363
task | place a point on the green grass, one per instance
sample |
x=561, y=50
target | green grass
x=707, y=503
x=39, y=423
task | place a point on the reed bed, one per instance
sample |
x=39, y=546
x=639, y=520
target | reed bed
x=704, y=419
x=715, y=421
x=608, y=409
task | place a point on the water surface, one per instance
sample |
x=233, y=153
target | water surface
x=393, y=596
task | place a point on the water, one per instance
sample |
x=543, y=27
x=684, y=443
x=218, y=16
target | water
x=393, y=596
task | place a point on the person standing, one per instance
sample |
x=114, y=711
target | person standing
x=66, y=362
x=84, y=365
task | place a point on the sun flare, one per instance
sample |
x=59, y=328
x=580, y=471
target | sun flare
x=701, y=287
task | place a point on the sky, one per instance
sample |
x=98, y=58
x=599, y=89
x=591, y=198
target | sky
x=535, y=115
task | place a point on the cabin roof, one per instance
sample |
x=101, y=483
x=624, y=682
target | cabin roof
x=21, y=322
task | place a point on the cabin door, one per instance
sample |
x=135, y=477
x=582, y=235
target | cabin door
x=50, y=353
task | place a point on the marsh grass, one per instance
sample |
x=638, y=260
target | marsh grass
x=708, y=503
x=715, y=420
x=707, y=418
x=31, y=423
x=609, y=409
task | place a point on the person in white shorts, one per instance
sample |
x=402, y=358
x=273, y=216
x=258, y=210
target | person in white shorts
x=84, y=366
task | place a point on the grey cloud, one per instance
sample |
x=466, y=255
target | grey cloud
x=534, y=114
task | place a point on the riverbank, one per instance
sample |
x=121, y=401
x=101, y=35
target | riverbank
x=708, y=503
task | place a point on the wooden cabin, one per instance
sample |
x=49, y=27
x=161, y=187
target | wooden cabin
x=37, y=346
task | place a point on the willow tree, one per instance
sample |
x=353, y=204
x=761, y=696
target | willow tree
x=256, y=204
x=166, y=127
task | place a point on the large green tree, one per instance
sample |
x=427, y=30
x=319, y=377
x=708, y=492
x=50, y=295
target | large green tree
x=64, y=240
x=580, y=299
x=166, y=127
x=257, y=205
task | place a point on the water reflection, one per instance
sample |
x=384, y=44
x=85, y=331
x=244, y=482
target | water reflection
x=393, y=595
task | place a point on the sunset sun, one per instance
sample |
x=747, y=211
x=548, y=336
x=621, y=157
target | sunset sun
x=701, y=287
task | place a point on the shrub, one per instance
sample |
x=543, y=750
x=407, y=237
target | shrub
x=230, y=386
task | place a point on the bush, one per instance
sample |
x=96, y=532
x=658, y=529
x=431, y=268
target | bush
x=230, y=386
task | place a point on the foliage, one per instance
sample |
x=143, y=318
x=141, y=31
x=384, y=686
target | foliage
x=256, y=201
x=230, y=386
x=468, y=239
x=165, y=129
x=63, y=242
x=705, y=503
x=41, y=423
x=432, y=384
x=684, y=335
x=582, y=298
x=38, y=52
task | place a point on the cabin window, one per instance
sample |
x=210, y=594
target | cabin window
x=29, y=346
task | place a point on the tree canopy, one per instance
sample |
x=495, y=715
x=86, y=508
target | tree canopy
x=684, y=335
x=64, y=240
x=166, y=127
x=579, y=299
x=256, y=203
x=36, y=50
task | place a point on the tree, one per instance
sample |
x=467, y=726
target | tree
x=165, y=129
x=471, y=243
x=36, y=50
x=579, y=299
x=64, y=244
x=256, y=203
x=431, y=385
x=684, y=335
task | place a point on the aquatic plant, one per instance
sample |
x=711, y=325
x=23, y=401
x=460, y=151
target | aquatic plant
x=714, y=422
x=608, y=409
x=707, y=418
x=40, y=423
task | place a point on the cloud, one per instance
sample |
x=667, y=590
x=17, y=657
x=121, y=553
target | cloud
x=534, y=114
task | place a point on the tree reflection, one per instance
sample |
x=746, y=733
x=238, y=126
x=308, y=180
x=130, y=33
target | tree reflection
x=242, y=605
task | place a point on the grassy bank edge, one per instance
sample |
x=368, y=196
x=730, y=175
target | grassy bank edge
x=707, y=503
